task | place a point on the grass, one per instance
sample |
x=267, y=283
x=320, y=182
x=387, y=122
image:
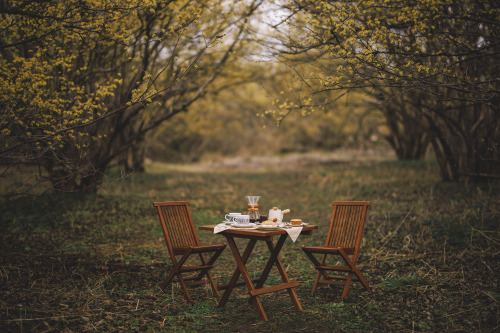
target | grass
x=94, y=262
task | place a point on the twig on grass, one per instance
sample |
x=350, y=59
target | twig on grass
x=463, y=311
x=493, y=298
x=391, y=236
x=485, y=264
x=41, y=318
x=481, y=232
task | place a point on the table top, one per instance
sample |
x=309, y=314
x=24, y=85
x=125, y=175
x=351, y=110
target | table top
x=241, y=232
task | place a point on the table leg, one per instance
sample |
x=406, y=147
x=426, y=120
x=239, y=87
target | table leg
x=275, y=250
x=240, y=262
x=236, y=274
x=274, y=260
x=284, y=275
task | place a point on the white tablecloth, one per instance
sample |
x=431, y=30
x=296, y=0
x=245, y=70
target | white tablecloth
x=293, y=232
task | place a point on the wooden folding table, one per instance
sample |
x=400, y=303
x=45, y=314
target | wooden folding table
x=254, y=291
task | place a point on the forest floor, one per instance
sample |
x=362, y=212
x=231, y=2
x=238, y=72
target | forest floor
x=72, y=262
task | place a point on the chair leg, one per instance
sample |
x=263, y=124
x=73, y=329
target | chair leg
x=362, y=280
x=364, y=283
x=168, y=279
x=212, y=283
x=319, y=273
x=184, y=287
x=354, y=270
x=175, y=272
x=316, y=282
x=208, y=275
x=316, y=264
x=347, y=285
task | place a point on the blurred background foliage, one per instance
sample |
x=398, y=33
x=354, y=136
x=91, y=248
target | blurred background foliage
x=239, y=121
x=86, y=86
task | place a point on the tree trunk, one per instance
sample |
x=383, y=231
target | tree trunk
x=138, y=153
x=91, y=183
x=67, y=180
x=408, y=133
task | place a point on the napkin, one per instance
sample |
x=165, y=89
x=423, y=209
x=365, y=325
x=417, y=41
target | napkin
x=293, y=232
x=221, y=227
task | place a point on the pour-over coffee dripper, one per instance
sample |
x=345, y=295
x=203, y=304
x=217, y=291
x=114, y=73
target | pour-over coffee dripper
x=253, y=207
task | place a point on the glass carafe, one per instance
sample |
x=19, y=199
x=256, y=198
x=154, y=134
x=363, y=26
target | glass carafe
x=253, y=208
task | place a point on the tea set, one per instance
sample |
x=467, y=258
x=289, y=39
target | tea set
x=273, y=220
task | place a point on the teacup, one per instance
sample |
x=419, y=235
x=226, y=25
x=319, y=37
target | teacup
x=231, y=217
x=242, y=219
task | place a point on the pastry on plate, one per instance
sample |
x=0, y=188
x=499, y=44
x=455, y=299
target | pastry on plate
x=268, y=222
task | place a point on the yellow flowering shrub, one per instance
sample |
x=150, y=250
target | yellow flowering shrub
x=82, y=82
x=438, y=55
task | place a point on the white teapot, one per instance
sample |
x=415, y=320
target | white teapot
x=276, y=213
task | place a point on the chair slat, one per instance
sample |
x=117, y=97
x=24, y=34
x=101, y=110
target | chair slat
x=178, y=225
x=346, y=225
x=338, y=223
x=352, y=227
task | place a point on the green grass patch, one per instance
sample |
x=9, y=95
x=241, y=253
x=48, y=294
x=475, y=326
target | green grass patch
x=94, y=262
x=401, y=282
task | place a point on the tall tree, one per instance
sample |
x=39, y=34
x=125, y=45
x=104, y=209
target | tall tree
x=445, y=52
x=82, y=82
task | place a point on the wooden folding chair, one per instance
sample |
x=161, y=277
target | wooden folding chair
x=344, y=240
x=181, y=238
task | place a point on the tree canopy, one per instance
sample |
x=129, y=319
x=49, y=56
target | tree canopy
x=83, y=81
x=441, y=57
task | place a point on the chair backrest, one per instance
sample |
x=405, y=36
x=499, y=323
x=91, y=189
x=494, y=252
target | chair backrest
x=177, y=224
x=348, y=221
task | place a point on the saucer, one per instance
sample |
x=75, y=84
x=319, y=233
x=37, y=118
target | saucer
x=241, y=225
x=303, y=224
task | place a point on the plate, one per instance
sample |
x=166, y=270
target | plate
x=268, y=227
x=240, y=225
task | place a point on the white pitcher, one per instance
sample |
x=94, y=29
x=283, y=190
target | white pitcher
x=276, y=213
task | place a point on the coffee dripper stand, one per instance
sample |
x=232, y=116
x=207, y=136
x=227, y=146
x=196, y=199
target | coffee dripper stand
x=253, y=208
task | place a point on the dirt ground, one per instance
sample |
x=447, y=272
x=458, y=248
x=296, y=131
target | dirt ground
x=75, y=263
